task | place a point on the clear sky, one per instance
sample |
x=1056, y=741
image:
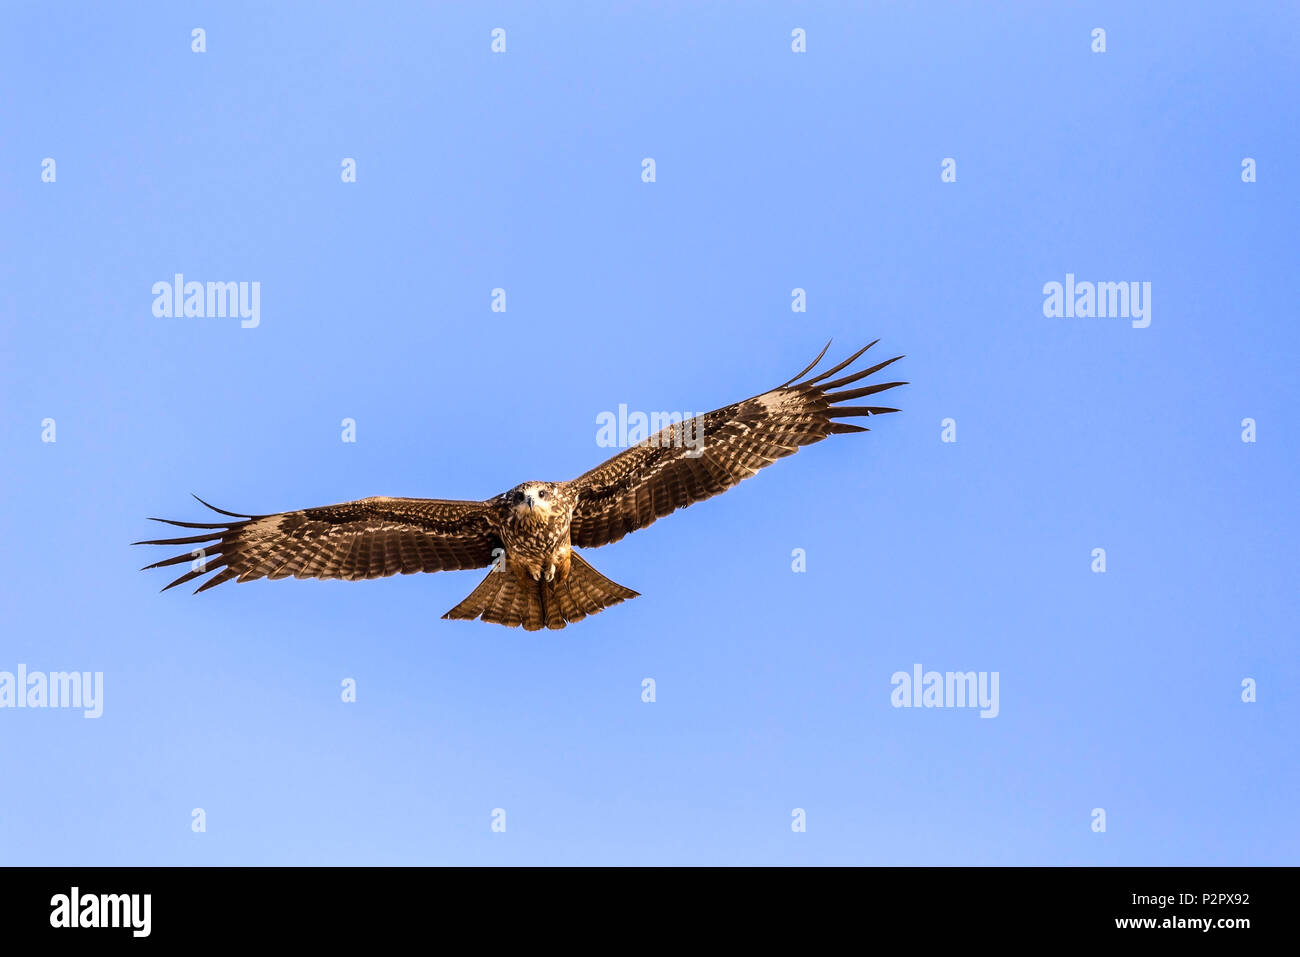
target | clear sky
x=774, y=171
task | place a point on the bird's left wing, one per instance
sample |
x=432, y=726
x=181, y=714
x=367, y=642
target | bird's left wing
x=369, y=538
x=709, y=453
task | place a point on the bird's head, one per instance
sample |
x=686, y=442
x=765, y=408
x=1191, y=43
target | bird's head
x=539, y=500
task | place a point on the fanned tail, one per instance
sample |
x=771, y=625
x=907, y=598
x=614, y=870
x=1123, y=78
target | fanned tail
x=503, y=599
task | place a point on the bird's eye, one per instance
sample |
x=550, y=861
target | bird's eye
x=541, y=493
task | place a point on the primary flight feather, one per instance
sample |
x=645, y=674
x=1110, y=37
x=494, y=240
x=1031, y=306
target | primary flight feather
x=529, y=533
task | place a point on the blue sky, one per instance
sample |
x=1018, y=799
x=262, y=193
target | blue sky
x=775, y=170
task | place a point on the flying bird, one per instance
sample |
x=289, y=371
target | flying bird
x=529, y=534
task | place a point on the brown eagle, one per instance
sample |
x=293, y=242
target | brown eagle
x=529, y=533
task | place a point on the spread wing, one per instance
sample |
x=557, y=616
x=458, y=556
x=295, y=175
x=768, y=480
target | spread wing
x=370, y=538
x=708, y=454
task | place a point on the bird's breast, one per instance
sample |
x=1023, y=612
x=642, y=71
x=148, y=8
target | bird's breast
x=536, y=538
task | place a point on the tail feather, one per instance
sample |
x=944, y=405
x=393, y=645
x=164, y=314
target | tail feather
x=503, y=599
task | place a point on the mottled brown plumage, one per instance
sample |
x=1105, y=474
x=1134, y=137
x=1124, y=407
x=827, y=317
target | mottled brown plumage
x=528, y=533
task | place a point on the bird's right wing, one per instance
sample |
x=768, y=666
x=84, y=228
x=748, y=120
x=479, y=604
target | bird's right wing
x=369, y=538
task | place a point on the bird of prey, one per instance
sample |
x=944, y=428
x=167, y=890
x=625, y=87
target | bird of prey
x=529, y=534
